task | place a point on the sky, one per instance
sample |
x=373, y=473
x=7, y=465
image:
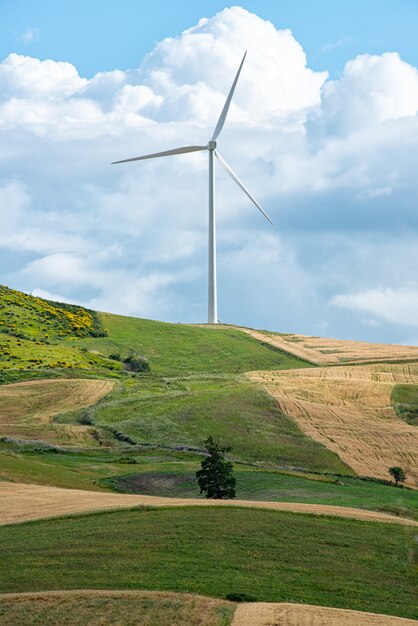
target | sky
x=322, y=129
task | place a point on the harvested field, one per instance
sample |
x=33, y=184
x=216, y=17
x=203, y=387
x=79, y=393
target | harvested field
x=22, y=502
x=113, y=608
x=323, y=351
x=348, y=409
x=283, y=614
x=27, y=408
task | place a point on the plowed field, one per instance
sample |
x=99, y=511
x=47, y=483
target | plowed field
x=266, y=614
x=348, y=409
x=21, y=502
x=328, y=351
x=27, y=408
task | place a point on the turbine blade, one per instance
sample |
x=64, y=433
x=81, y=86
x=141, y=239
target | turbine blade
x=165, y=153
x=235, y=178
x=224, y=113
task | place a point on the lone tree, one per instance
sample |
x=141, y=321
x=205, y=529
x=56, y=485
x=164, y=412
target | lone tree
x=215, y=478
x=398, y=474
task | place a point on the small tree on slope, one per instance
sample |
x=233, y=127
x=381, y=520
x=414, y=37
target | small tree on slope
x=215, y=478
x=398, y=474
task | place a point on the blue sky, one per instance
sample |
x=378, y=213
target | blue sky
x=323, y=130
x=99, y=35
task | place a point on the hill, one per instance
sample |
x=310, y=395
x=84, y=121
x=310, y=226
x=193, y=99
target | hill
x=108, y=403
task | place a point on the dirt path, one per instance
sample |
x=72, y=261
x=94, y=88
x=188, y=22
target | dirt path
x=270, y=614
x=333, y=351
x=348, y=409
x=21, y=502
x=27, y=408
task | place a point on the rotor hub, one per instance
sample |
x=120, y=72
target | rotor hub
x=212, y=145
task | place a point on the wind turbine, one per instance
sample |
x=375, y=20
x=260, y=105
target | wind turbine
x=211, y=148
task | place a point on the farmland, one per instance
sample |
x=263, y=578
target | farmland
x=28, y=408
x=324, y=351
x=111, y=453
x=349, y=410
x=286, y=614
x=21, y=502
x=116, y=607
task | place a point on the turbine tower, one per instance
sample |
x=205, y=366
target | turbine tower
x=211, y=147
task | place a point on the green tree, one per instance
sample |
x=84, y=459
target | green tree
x=398, y=474
x=216, y=478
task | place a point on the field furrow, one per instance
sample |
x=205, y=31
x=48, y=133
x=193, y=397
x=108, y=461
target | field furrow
x=283, y=614
x=348, y=409
x=325, y=351
x=27, y=408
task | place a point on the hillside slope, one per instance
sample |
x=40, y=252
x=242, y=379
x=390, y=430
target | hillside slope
x=93, y=403
x=325, y=351
x=195, y=387
x=349, y=410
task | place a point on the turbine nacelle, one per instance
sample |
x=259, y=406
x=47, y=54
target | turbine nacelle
x=212, y=145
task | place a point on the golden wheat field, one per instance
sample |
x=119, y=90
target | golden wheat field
x=27, y=408
x=111, y=608
x=323, y=351
x=20, y=502
x=283, y=614
x=348, y=409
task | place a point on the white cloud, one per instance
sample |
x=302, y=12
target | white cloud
x=26, y=77
x=29, y=35
x=396, y=305
x=372, y=90
x=138, y=293
x=343, y=41
x=198, y=66
x=184, y=78
x=332, y=162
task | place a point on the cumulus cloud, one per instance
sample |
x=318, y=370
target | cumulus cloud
x=183, y=78
x=372, y=90
x=276, y=80
x=333, y=163
x=23, y=76
x=396, y=305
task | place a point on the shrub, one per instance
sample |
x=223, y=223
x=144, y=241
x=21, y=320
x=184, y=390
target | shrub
x=136, y=364
x=240, y=597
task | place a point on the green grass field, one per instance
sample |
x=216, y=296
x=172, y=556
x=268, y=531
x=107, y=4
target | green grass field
x=38, y=337
x=174, y=349
x=277, y=487
x=203, y=395
x=405, y=400
x=271, y=556
x=170, y=474
x=186, y=411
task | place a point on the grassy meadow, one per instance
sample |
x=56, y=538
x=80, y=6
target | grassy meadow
x=268, y=555
x=171, y=473
x=405, y=400
x=175, y=349
x=184, y=411
x=276, y=487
